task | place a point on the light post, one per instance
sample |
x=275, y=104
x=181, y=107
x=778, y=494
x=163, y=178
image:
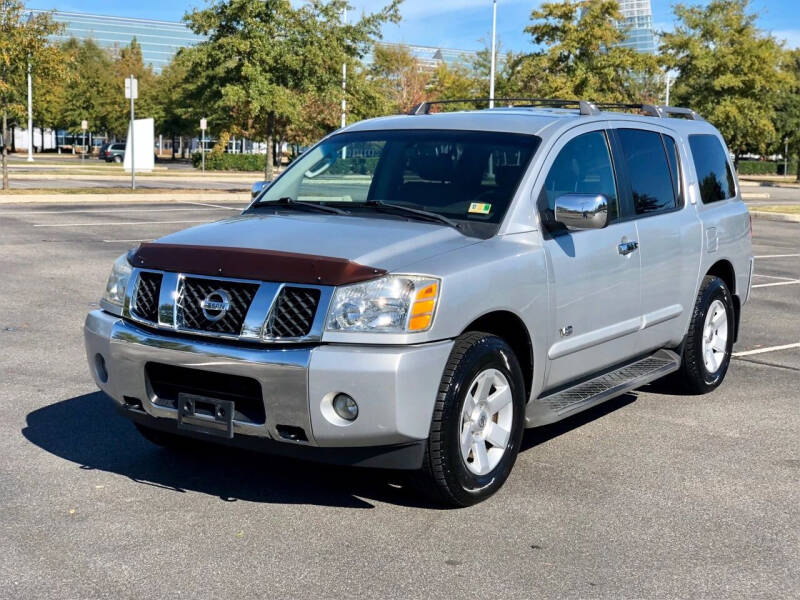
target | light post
x=344, y=78
x=30, y=113
x=667, y=82
x=84, y=127
x=132, y=92
x=491, y=67
x=785, y=156
x=203, y=125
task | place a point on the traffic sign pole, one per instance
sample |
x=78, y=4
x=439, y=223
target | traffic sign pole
x=132, y=92
x=203, y=125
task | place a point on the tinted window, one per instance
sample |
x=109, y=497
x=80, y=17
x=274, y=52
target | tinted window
x=582, y=167
x=713, y=172
x=674, y=161
x=649, y=170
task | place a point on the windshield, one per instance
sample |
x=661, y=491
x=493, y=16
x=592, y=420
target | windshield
x=469, y=177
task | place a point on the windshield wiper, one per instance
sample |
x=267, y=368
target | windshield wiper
x=287, y=201
x=412, y=212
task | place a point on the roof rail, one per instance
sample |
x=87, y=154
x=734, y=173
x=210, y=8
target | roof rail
x=585, y=107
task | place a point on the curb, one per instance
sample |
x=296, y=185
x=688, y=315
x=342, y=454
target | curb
x=224, y=197
x=770, y=216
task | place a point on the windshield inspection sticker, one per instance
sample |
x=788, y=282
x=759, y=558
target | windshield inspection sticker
x=481, y=208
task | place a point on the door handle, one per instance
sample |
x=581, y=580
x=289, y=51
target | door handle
x=626, y=248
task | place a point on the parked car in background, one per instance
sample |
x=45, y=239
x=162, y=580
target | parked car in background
x=414, y=291
x=113, y=152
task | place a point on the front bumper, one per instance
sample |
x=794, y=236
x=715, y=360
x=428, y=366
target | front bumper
x=395, y=388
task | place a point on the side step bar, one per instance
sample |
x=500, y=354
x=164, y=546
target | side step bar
x=562, y=404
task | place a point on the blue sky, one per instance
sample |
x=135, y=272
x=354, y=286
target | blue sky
x=449, y=23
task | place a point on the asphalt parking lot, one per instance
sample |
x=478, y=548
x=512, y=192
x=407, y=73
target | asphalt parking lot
x=647, y=496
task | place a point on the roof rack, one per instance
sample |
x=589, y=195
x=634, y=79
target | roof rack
x=584, y=107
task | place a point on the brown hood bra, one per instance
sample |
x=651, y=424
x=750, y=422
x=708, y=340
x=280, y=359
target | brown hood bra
x=251, y=263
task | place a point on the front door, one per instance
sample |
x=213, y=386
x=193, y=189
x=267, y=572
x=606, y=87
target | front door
x=594, y=275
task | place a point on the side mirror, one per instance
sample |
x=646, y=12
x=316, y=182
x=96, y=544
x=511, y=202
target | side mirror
x=258, y=187
x=582, y=211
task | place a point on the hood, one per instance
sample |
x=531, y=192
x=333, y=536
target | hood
x=385, y=244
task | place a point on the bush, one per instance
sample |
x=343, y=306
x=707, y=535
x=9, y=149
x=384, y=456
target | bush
x=757, y=167
x=230, y=162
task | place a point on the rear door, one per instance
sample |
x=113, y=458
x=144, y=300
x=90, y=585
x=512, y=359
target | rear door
x=650, y=161
x=593, y=287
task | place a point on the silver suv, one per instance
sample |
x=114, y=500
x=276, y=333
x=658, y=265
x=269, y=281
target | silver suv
x=416, y=290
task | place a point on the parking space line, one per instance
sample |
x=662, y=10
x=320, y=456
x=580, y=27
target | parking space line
x=211, y=205
x=777, y=256
x=118, y=223
x=774, y=277
x=764, y=350
x=763, y=285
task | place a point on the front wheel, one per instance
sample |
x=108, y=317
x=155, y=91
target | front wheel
x=477, y=421
x=709, y=342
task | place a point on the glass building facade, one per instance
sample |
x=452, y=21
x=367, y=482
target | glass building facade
x=638, y=21
x=160, y=40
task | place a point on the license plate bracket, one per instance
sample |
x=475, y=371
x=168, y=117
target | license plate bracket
x=202, y=414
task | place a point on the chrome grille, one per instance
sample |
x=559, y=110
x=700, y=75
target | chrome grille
x=293, y=313
x=145, y=301
x=194, y=290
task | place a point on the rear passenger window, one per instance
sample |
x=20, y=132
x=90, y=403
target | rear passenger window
x=649, y=170
x=713, y=171
x=582, y=167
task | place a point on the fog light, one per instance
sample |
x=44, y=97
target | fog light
x=100, y=368
x=345, y=407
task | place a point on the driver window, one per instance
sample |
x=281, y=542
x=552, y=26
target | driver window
x=582, y=167
x=343, y=176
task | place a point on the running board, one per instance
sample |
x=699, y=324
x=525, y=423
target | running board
x=559, y=405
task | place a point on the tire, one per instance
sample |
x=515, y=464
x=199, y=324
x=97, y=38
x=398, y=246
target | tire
x=117, y=159
x=699, y=373
x=171, y=441
x=478, y=361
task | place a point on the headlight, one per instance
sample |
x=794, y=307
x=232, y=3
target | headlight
x=114, y=296
x=394, y=304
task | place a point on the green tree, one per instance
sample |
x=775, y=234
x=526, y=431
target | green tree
x=787, y=118
x=89, y=89
x=176, y=114
x=577, y=54
x=129, y=61
x=261, y=58
x=728, y=71
x=23, y=42
x=398, y=78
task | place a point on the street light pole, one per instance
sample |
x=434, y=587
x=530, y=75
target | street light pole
x=491, y=67
x=785, y=156
x=30, y=113
x=668, y=81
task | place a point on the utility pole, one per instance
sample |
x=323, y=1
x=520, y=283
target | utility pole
x=30, y=113
x=132, y=92
x=491, y=67
x=203, y=125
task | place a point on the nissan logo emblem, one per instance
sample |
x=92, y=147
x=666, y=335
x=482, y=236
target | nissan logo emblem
x=216, y=305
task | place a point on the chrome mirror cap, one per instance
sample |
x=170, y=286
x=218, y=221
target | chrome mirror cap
x=258, y=187
x=582, y=211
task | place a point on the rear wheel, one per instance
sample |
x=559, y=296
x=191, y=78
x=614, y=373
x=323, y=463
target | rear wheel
x=477, y=422
x=709, y=342
x=117, y=159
